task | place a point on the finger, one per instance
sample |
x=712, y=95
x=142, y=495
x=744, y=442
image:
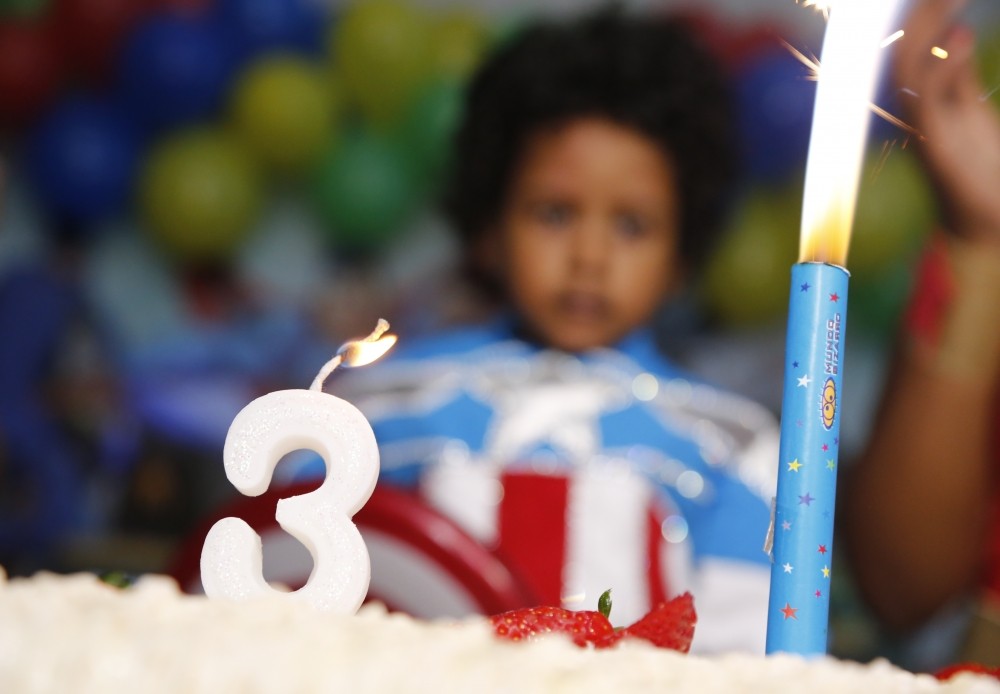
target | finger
x=927, y=24
x=949, y=74
x=961, y=76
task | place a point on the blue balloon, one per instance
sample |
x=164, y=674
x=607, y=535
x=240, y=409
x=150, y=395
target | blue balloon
x=775, y=104
x=82, y=159
x=176, y=69
x=259, y=26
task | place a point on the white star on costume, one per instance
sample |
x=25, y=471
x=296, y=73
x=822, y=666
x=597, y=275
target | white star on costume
x=557, y=405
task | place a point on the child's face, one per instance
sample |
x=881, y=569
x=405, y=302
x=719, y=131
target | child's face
x=587, y=244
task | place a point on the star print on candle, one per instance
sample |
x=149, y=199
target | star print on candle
x=804, y=381
x=804, y=287
x=806, y=499
x=826, y=571
x=786, y=525
x=822, y=549
x=787, y=567
x=794, y=465
x=834, y=298
x=789, y=611
x=819, y=593
x=825, y=447
x=795, y=365
x=836, y=441
x=831, y=464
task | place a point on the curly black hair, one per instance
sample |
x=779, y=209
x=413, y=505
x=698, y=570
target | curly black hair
x=648, y=73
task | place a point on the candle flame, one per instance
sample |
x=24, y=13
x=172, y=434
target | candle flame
x=367, y=350
x=357, y=352
x=851, y=58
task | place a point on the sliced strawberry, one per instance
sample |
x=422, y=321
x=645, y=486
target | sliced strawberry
x=977, y=668
x=669, y=625
x=584, y=627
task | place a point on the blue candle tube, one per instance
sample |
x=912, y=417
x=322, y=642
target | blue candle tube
x=802, y=548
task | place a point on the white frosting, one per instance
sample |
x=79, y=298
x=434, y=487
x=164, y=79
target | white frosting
x=76, y=634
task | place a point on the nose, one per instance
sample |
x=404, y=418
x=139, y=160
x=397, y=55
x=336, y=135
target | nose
x=590, y=250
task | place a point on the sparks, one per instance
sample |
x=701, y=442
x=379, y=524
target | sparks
x=891, y=38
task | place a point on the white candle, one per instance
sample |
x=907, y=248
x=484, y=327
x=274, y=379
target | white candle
x=267, y=429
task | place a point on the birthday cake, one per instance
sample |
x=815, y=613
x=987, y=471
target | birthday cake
x=61, y=633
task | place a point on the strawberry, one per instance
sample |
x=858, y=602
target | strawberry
x=584, y=626
x=669, y=625
x=950, y=671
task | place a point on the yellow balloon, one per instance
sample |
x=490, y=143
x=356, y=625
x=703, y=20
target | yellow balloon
x=284, y=111
x=381, y=48
x=458, y=41
x=199, y=195
x=747, y=278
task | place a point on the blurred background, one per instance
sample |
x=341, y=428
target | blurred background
x=202, y=199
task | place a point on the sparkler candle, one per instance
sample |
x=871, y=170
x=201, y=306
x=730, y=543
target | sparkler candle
x=802, y=540
x=265, y=430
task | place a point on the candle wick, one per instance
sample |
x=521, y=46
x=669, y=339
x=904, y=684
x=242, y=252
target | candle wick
x=324, y=372
x=348, y=352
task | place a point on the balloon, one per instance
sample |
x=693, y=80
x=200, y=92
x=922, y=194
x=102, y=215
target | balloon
x=283, y=109
x=23, y=8
x=895, y=213
x=878, y=301
x=381, y=49
x=747, y=278
x=175, y=69
x=83, y=158
x=426, y=134
x=363, y=191
x=775, y=103
x=988, y=62
x=29, y=71
x=272, y=25
x=92, y=33
x=458, y=41
x=199, y=195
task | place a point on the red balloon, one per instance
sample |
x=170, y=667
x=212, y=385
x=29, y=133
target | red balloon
x=29, y=71
x=91, y=33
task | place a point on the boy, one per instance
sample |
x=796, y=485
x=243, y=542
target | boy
x=590, y=175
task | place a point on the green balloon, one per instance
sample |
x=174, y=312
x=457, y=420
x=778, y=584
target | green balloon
x=23, y=8
x=747, y=278
x=878, y=302
x=988, y=59
x=895, y=213
x=363, y=191
x=427, y=132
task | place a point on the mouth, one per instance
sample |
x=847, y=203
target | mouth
x=583, y=306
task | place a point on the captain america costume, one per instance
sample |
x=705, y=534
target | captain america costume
x=609, y=469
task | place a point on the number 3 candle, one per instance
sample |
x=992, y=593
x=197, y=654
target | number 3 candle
x=264, y=431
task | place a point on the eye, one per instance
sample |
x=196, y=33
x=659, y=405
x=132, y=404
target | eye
x=630, y=225
x=553, y=213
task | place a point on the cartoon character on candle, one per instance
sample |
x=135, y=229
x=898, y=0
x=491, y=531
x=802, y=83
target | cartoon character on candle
x=264, y=431
x=590, y=178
